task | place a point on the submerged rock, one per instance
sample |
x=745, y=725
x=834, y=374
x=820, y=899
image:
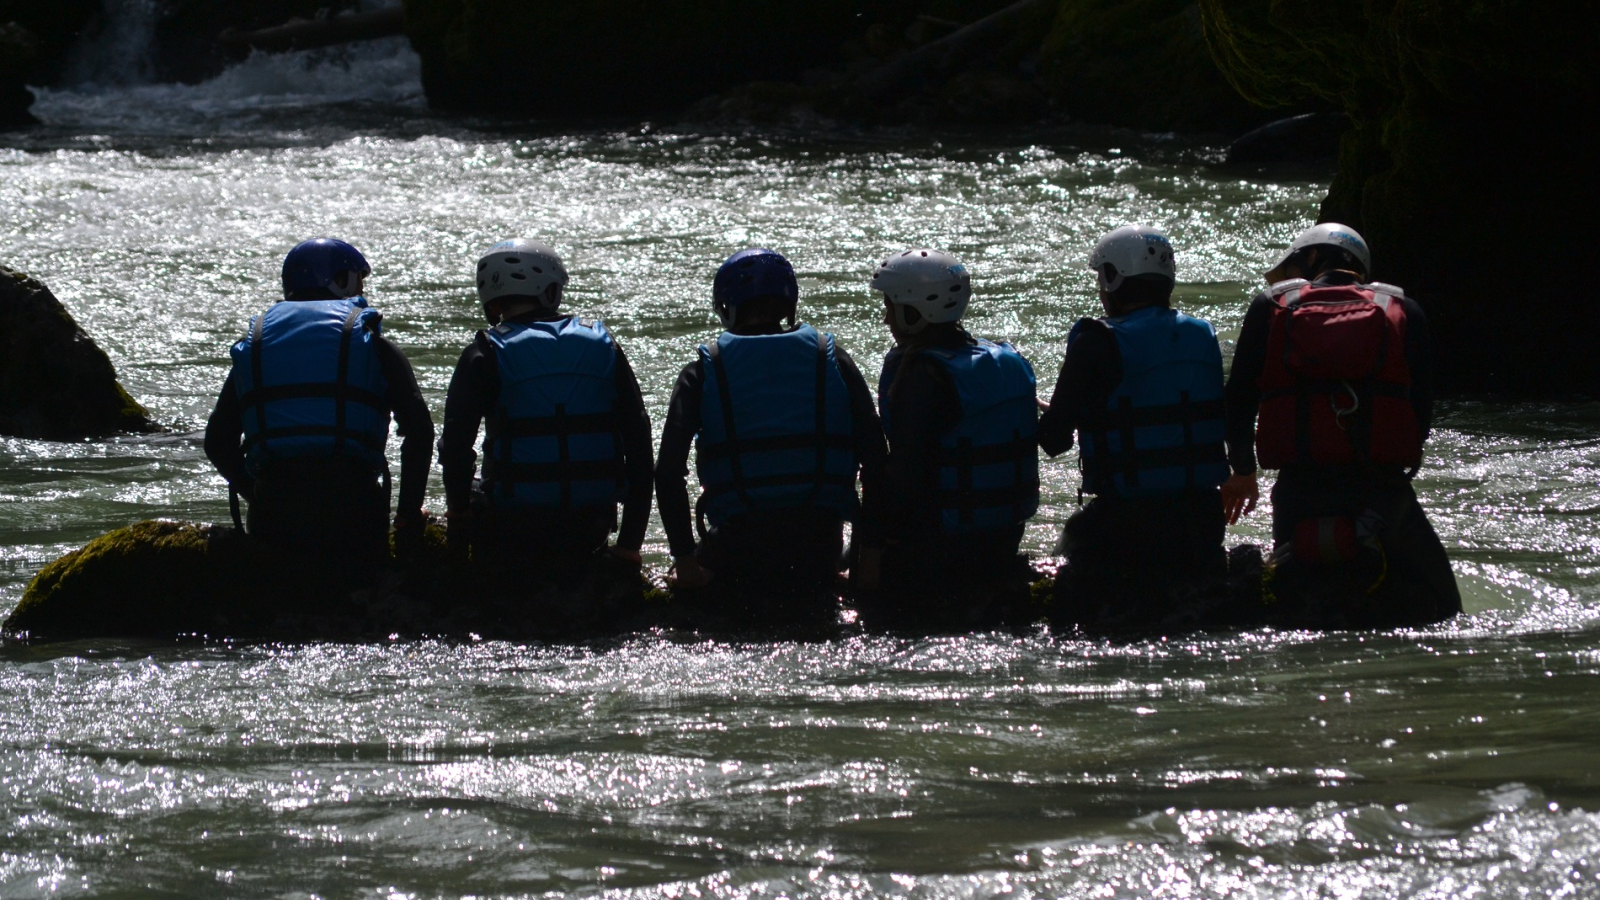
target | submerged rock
x=173, y=579
x=1465, y=149
x=55, y=383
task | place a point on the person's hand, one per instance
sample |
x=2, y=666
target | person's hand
x=1043, y=406
x=628, y=556
x=688, y=573
x=867, y=572
x=1240, y=494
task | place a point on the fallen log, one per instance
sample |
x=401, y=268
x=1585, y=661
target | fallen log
x=308, y=34
x=937, y=56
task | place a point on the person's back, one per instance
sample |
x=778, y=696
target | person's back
x=781, y=422
x=1142, y=388
x=961, y=415
x=300, y=427
x=1338, y=370
x=566, y=435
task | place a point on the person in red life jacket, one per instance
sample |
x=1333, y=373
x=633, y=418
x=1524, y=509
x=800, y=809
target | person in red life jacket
x=782, y=423
x=567, y=440
x=961, y=415
x=1142, y=389
x=1332, y=377
x=300, y=426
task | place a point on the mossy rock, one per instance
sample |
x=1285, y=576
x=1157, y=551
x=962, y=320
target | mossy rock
x=55, y=383
x=1464, y=150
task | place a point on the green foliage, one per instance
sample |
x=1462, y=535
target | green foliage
x=1141, y=63
x=1464, y=114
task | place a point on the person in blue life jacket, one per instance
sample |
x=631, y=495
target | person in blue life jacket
x=961, y=416
x=301, y=424
x=781, y=422
x=567, y=436
x=1142, y=389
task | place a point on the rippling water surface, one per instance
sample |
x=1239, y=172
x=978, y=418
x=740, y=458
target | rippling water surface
x=1459, y=761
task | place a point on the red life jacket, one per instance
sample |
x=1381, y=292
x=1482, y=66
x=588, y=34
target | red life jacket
x=1336, y=387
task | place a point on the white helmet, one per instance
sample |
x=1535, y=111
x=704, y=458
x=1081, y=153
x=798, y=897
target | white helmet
x=1132, y=250
x=932, y=282
x=519, y=268
x=1331, y=234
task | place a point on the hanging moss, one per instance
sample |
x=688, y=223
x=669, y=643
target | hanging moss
x=1464, y=154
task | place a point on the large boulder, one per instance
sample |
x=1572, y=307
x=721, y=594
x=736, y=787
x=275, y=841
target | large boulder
x=19, y=49
x=55, y=384
x=1464, y=160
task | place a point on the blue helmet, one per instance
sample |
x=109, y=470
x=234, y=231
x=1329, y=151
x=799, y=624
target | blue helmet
x=749, y=274
x=316, y=265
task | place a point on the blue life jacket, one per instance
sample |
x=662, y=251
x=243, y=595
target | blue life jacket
x=553, y=440
x=1164, y=428
x=310, y=385
x=775, y=426
x=988, y=465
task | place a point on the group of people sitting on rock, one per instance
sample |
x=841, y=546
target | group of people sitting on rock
x=939, y=474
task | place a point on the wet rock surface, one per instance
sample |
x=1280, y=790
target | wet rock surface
x=1461, y=152
x=55, y=383
x=164, y=579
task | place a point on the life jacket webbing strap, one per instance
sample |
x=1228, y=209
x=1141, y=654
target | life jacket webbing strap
x=821, y=435
x=565, y=472
x=1328, y=386
x=555, y=426
x=1130, y=468
x=790, y=480
x=987, y=454
x=318, y=391
x=708, y=451
x=343, y=379
x=1188, y=436
x=255, y=378
x=1169, y=414
x=564, y=455
x=371, y=442
x=964, y=488
x=729, y=427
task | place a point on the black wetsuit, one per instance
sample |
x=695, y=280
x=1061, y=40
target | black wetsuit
x=538, y=537
x=919, y=558
x=1417, y=565
x=1131, y=562
x=762, y=545
x=317, y=504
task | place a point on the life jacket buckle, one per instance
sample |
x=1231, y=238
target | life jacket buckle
x=1341, y=414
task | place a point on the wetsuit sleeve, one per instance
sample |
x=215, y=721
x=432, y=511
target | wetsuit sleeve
x=672, y=463
x=224, y=444
x=925, y=406
x=412, y=420
x=1091, y=370
x=1242, y=398
x=1419, y=358
x=474, y=388
x=634, y=424
x=872, y=451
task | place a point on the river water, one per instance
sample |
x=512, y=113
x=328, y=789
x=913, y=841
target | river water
x=1456, y=761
